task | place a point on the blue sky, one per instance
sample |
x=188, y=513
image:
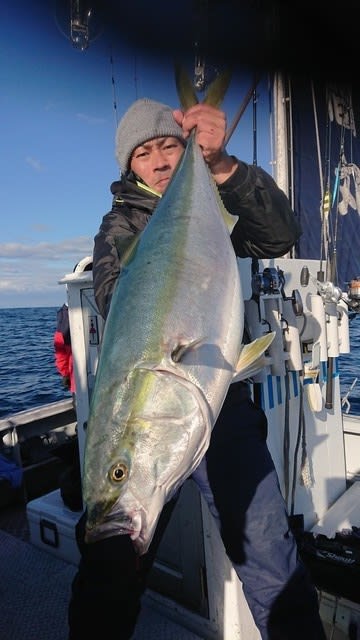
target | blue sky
x=57, y=141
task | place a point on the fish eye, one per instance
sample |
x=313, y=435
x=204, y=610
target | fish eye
x=118, y=473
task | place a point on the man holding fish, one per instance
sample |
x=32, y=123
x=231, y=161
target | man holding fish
x=166, y=418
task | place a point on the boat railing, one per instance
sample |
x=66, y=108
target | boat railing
x=31, y=439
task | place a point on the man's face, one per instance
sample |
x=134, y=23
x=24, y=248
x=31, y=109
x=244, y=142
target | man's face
x=155, y=161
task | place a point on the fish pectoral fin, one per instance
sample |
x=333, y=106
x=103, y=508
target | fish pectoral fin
x=252, y=357
x=179, y=351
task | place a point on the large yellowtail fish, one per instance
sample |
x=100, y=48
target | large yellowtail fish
x=171, y=347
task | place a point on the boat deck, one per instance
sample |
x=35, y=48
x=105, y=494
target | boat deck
x=13, y=520
x=35, y=588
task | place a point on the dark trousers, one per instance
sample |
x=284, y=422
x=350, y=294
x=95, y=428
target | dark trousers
x=238, y=480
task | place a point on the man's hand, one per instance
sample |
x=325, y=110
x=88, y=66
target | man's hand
x=210, y=126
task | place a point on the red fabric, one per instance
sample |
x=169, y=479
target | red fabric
x=64, y=359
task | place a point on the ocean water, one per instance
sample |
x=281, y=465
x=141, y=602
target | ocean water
x=349, y=367
x=28, y=376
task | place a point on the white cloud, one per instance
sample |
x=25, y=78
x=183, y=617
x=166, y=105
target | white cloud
x=90, y=119
x=32, y=271
x=47, y=250
x=50, y=105
x=35, y=164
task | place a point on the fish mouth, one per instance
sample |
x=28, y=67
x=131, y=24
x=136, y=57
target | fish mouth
x=99, y=526
x=136, y=521
x=111, y=528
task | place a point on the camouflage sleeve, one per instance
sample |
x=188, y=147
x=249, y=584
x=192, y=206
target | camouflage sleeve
x=114, y=228
x=267, y=226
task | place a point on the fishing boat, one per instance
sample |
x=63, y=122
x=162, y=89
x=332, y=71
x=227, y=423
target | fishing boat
x=309, y=299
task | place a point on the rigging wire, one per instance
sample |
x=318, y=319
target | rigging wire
x=113, y=83
x=255, y=127
x=241, y=109
x=114, y=89
x=324, y=186
x=331, y=268
x=290, y=143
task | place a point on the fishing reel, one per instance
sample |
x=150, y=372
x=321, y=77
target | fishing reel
x=353, y=295
x=271, y=281
x=270, y=306
x=331, y=293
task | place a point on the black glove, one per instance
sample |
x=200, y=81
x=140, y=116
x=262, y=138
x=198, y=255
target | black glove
x=66, y=382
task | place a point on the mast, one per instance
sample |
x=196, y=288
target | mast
x=283, y=170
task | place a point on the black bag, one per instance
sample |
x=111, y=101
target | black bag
x=334, y=563
x=62, y=323
x=70, y=479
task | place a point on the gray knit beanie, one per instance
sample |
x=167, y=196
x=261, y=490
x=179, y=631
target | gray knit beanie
x=144, y=120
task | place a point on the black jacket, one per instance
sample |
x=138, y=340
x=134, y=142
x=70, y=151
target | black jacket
x=267, y=227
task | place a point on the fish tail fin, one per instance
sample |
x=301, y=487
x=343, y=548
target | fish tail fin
x=185, y=89
x=214, y=97
x=217, y=89
x=186, y=92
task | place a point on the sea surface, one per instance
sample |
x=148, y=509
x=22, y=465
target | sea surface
x=28, y=376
